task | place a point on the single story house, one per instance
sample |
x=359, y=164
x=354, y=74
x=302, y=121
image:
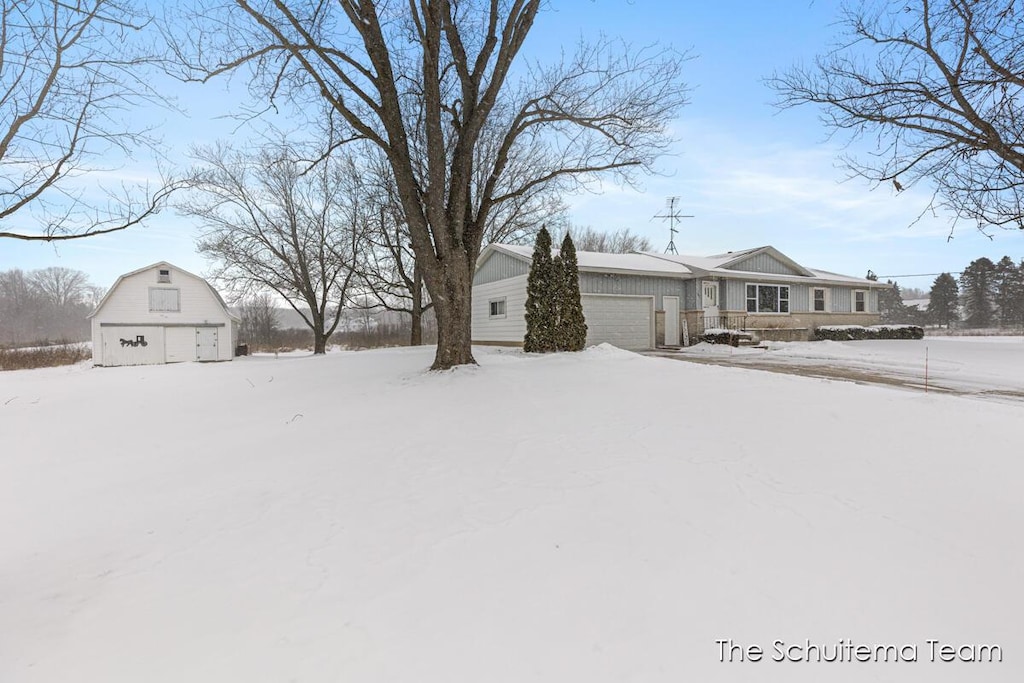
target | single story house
x=162, y=314
x=644, y=300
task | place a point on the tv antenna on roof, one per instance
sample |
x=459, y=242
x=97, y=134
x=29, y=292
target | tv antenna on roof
x=673, y=216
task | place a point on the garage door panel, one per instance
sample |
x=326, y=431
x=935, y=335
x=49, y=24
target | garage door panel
x=124, y=345
x=623, y=321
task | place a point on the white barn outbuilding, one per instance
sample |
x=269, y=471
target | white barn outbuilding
x=162, y=314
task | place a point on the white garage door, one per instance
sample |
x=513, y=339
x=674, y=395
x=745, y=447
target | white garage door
x=623, y=321
x=123, y=345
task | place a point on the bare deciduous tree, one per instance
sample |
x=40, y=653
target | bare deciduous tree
x=61, y=287
x=259, y=320
x=44, y=305
x=431, y=85
x=273, y=221
x=939, y=82
x=622, y=241
x=70, y=75
x=389, y=271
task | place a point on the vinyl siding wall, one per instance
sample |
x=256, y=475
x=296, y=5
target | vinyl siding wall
x=633, y=285
x=512, y=328
x=500, y=267
x=764, y=263
x=799, y=296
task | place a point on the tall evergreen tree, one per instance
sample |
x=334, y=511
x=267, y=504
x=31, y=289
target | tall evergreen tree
x=891, y=306
x=541, y=293
x=944, y=301
x=977, y=287
x=1009, y=292
x=572, y=326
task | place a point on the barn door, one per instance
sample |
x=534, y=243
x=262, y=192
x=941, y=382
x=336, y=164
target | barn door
x=206, y=343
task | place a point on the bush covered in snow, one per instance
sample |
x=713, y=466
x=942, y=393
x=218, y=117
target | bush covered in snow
x=723, y=336
x=854, y=332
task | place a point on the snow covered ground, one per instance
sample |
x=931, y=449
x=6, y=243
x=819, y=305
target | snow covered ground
x=983, y=366
x=582, y=517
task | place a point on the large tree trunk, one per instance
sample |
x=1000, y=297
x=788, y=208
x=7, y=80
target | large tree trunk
x=319, y=343
x=416, y=338
x=453, y=307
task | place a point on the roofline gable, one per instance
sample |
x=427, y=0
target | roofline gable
x=122, y=278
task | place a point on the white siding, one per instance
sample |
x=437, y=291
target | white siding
x=136, y=345
x=181, y=344
x=510, y=329
x=129, y=304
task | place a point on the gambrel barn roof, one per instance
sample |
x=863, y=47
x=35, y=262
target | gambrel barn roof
x=164, y=264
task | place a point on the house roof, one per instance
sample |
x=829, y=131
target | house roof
x=158, y=264
x=682, y=265
x=598, y=262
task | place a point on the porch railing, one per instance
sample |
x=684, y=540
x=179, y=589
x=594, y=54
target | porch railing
x=722, y=322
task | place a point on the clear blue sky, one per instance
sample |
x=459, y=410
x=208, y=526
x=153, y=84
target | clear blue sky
x=751, y=175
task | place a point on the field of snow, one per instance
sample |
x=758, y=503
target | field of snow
x=587, y=517
x=984, y=366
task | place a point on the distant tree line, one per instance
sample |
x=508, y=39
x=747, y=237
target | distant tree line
x=987, y=294
x=45, y=305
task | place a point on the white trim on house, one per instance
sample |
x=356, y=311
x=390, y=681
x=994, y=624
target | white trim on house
x=853, y=301
x=496, y=308
x=826, y=299
x=779, y=299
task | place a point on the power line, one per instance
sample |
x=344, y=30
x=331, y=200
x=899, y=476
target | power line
x=951, y=272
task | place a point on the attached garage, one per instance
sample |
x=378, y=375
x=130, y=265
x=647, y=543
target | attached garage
x=621, y=294
x=623, y=321
x=162, y=314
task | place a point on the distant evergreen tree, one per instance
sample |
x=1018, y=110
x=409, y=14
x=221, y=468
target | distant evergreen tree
x=891, y=306
x=977, y=288
x=944, y=301
x=572, y=326
x=541, y=293
x=1009, y=292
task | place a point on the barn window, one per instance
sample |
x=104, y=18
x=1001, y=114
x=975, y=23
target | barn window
x=496, y=308
x=164, y=299
x=163, y=275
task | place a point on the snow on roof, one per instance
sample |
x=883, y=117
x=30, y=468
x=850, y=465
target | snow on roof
x=598, y=261
x=686, y=264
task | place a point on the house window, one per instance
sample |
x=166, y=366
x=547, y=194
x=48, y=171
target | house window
x=767, y=298
x=163, y=275
x=164, y=299
x=819, y=300
x=860, y=301
x=497, y=308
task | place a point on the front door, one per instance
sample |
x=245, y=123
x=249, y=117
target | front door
x=671, y=304
x=709, y=290
x=206, y=343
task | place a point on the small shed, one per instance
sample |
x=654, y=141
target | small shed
x=162, y=314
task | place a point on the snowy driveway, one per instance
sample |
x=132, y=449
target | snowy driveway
x=987, y=367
